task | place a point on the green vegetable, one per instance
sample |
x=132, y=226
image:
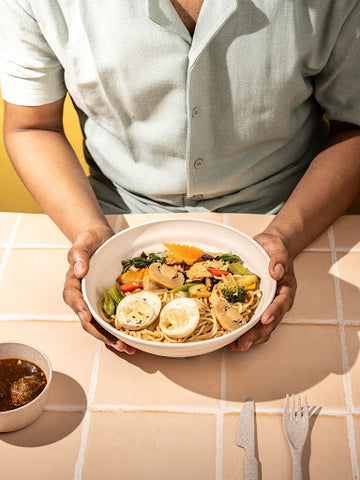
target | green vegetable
x=234, y=294
x=112, y=298
x=142, y=262
x=238, y=268
x=109, y=306
x=228, y=257
x=199, y=291
x=183, y=288
x=115, y=294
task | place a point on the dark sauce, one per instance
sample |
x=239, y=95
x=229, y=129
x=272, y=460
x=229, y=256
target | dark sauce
x=20, y=382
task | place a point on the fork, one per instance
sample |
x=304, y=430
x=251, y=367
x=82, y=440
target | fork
x=296, y=425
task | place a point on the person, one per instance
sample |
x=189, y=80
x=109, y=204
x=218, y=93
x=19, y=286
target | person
x=186, y=106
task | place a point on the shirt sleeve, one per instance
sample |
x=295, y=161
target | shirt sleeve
x=30, y=73
x=337, y=87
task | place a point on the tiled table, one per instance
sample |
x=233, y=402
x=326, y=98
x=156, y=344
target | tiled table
x=144, y=417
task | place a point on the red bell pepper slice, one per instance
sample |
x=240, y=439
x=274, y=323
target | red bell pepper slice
x=130, y=287
x=216, y=272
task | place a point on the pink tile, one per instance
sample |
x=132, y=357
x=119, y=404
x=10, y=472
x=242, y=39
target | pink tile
x=46, y=449
x=35, y=278
x=150, y=446
x=326, y=452
x=137, y=219
x=39, y=229
x=114, y=221
x=70, y=351
x=296, y=359
x=352, y=338
x=315, y=295
x=254, y=224
x=145, y=379
x=7, y=224
x=349, y=267
x=347, y=231
x=249, y=224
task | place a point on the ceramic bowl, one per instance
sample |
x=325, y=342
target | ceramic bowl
x=21, y=417
x=105, y=267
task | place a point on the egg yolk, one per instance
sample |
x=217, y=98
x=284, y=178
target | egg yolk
x=174, y=317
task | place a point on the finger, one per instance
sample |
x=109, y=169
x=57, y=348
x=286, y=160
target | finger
x=279, y=260
x=72, y=294
x=94, y=329
x=78, y=258
x=281, y=304
x=73, y=297
x=278, y=253
x=82, y=249
x=258, y=334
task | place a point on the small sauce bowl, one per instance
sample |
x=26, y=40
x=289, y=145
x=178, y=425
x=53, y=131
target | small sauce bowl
x=20, y=417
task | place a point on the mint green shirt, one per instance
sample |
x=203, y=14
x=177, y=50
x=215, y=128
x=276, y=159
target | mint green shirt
x=226, y=120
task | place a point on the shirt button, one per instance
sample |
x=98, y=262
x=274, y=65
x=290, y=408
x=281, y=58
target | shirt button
x=198, y=163
x=197, y=197
x=196, y=112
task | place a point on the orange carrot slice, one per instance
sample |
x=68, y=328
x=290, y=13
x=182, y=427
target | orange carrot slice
x=187, y=253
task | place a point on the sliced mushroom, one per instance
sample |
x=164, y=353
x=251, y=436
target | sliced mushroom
x=148, y=284
x=228, y=316
x=165, y=276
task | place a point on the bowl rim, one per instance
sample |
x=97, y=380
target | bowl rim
x=49, y=378
x=183, y=345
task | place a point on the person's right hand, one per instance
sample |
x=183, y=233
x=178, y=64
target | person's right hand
x=78, y=257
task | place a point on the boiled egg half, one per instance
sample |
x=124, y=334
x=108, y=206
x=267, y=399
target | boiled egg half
x=179, y=318
x=137, y=311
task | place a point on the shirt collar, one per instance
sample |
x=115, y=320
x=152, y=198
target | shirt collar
x=164, y=13
x=213, y=15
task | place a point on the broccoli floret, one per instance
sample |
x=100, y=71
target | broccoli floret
x=234, y=294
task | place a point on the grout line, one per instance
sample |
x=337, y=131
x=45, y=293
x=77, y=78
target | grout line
x=308, y=321
x=119, y=223
x=41, y=246
x=324, y=412
x=86, y=421
x=155, y=408
x=220, y=418
x=352, y=322
x=345, y=358
x=6, y=254
x=65, y=408
x=218, y=445
x=25, y=317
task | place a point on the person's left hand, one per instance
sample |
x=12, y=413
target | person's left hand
x=281, y=268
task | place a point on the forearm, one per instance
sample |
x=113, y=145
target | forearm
x=47, y=164
x=328, y=187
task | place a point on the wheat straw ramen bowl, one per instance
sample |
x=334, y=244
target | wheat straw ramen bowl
x=22, y=416
x=105, y=267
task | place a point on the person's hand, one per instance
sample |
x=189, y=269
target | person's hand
x=78, y=257
x=281, y=268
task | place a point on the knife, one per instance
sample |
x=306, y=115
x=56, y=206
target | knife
x=245, y=438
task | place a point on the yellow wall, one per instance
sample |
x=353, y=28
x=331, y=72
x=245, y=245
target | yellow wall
x=14, y=196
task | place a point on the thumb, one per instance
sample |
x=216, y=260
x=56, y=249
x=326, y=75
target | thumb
x=79, y=254
x=278, y=262
x=84, y=246
x=277, y=271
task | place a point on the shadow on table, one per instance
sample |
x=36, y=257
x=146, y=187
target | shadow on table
x=292, y=361
x=56, y=422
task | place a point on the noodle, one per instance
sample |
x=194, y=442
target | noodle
x=208, y=326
